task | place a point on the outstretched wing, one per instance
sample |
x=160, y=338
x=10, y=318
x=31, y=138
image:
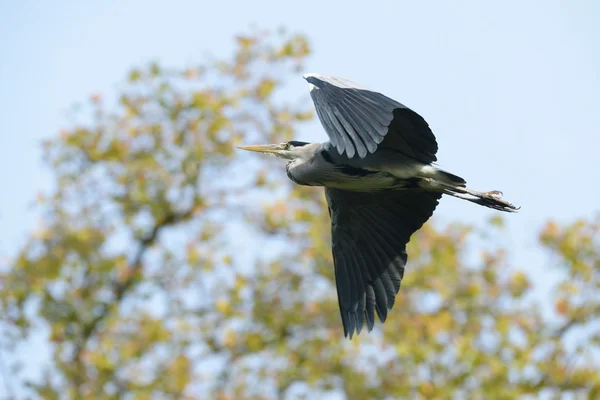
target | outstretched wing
x=358, y=120
x=369, y=236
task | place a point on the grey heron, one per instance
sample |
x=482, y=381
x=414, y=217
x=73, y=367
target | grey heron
x=381, y=186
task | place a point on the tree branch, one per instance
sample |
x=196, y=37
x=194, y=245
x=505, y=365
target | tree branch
x=122, y=287
x=578, y=316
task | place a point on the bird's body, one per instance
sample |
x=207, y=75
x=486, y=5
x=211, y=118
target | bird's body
x=380, y=184
x=323, y=166
x=327, y=168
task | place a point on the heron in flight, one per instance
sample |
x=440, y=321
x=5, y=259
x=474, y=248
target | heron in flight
x=381, y=185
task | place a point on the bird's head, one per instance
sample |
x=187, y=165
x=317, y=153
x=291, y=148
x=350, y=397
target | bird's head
x=287, y=150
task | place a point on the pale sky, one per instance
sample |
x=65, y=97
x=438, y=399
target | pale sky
x=511, y=89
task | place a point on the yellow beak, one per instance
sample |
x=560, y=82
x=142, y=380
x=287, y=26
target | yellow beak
x=263, y=148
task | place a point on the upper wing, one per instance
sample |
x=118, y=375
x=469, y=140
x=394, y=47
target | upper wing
x=369, y=232
x=357, y=120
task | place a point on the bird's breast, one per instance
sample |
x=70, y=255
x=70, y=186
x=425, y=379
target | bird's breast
x=321, y=172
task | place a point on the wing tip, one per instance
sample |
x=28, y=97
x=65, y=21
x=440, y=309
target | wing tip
x=312, y=75
x=318, y=79
x=312, y=84
x=356, y=321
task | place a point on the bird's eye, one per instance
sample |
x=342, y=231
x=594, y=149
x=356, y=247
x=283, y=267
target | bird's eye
x=286, y=146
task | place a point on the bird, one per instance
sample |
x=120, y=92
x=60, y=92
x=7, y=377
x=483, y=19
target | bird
x=381, y=184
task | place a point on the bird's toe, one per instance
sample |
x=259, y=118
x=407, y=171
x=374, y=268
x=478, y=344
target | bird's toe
x=494, y=193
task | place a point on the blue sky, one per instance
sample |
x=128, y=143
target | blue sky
x=511, y=89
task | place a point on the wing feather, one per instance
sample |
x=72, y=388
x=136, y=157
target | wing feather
x=369, y=235
x=376, y=114
x=370, y=307
x=342, y=117
x=358, y=120
x=362, y=126
x=375, y=129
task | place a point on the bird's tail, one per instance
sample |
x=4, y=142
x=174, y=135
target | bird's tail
x=449, y=178
x=490, y=199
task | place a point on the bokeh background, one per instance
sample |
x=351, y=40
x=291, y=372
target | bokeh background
x=143, y=256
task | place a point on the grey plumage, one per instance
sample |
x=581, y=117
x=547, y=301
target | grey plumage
x=357, y=120
x=380, y=186
x=369, y=236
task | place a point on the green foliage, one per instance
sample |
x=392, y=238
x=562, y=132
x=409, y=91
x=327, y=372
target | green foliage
x=141, y=271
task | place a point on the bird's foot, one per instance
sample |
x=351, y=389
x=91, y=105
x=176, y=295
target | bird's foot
x=493, y=193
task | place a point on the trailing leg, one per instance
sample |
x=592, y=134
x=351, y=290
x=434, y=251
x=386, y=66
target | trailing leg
x=490, y=199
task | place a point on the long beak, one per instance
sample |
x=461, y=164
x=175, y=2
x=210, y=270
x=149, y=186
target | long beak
x=263, y=148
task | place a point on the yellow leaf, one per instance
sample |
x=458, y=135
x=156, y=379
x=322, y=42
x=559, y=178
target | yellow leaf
x=222, y=305
x=134, y=75
x=265, y=88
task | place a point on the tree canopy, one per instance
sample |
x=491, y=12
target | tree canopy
x=169, y=265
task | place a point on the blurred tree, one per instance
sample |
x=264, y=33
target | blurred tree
x=168, y=267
